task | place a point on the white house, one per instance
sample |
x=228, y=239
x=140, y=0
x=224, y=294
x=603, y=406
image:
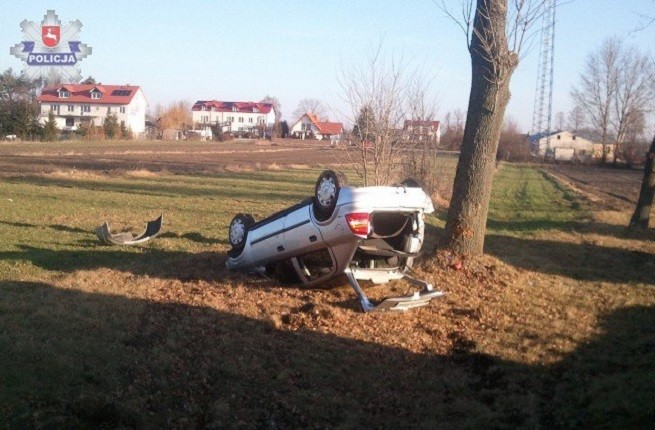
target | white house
x=308, y=125
x=567, y=146
x=90, y=104
x=422, y=130
x=233, y=116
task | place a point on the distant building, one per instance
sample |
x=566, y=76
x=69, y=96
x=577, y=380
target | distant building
x=233, y=117
x=422, y=131
x=567, y=146
x=309, y=127
x=89, y=104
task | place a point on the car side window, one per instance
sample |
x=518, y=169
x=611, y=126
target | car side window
x=315, y=265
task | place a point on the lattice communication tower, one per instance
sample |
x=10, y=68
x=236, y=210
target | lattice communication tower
x=543, y=101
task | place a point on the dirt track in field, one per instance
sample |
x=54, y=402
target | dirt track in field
x=157, y=156
x=610, y=188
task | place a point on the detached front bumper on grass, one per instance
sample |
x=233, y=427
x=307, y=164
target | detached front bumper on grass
x=108, y=238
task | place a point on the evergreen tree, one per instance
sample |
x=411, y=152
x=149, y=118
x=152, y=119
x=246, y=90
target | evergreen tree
x=365, y=124
x=111, y=127
x=125, y=133
x=284, y=129
x=50, y=130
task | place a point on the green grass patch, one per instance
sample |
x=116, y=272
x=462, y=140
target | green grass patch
x=525, y=200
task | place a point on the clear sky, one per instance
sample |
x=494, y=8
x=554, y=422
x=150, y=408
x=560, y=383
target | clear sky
x=295, y=49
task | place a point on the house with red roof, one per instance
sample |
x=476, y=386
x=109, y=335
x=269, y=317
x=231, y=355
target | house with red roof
x=233, y=117
x=90, y=104
x=308, y=126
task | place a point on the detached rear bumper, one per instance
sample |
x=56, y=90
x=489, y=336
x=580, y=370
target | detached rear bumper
x=395, y=304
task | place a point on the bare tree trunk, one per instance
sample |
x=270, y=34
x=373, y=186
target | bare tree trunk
x=492, y=67
x=641, y=217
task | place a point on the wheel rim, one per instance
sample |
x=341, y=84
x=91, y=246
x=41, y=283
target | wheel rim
x=327, y=191
x=237, y=231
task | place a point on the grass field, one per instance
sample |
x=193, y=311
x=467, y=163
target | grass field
x=552, y=328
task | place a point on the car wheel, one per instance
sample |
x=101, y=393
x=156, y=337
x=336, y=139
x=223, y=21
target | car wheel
x=239, y=230
x=411, y=183
x=326, y=193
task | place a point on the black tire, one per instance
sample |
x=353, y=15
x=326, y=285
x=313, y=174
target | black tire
x=238, y=232
x=411, y=183
x=326, y=193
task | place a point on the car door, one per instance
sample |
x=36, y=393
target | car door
x=301, y=235
x=310, y=256
x=266, y=241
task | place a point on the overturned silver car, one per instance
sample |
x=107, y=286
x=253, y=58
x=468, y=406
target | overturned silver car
x=366, y=233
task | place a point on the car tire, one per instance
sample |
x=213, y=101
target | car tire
x=411, y=183
x=238, y=232
x=326, y=193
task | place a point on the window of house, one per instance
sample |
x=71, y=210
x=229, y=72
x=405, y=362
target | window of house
x=95, y=94
x=230, y=118
x=71, y=108
x=573, y=137
x=121, y=109
x=559, y=137
x=70, y=122
x=108, y=109
x=234, y=108
x=86, y=108
x=255, y=110
x=240, y=119
x=250, y=120
x=64, y=94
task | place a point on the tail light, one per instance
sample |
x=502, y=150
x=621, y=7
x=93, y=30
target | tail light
x=358, y=223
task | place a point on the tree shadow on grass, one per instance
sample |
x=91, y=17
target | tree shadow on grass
x=92, y=360
x=608, y=382
x=194, y=237
x=600, y=228
x=19, y=224
x=533, y=225
x=68, y=229
x=584, y=261
x=208, y=266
